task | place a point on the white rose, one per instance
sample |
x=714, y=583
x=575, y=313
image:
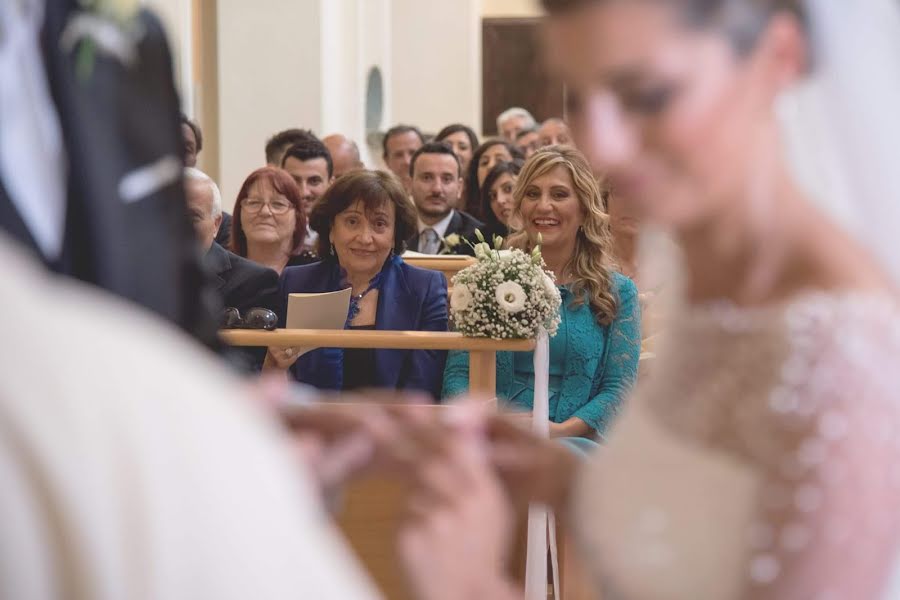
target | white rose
x=452, y=240
x=510, y=296
x=549, y=286
x=460, y=298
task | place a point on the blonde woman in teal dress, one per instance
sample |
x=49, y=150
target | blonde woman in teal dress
x=594, y=355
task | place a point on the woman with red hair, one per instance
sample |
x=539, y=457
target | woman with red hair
x=269, y=225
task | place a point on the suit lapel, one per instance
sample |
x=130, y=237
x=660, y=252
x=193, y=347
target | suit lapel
x=218, y=263
x=400, y=315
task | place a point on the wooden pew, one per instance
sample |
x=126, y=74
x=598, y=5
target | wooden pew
x=448, y=265
x=371, y=509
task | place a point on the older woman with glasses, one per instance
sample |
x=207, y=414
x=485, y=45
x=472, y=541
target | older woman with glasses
x=269, y=224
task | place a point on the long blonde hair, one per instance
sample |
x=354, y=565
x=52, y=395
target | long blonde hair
x=591, y=266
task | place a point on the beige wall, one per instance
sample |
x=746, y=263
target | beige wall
x=269, y=79
x=436, y=59
x=510, y=8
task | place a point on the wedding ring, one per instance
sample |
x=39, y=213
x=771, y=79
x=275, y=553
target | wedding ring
x=289, y=352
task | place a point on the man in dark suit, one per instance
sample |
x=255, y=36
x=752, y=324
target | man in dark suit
x=241, y=283
x=436, y=188
x=93, y=96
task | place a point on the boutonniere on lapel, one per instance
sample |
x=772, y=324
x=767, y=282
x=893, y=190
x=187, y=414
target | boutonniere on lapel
x=108, y=27
x=451, y=244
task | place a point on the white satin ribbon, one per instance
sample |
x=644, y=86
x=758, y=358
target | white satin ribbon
x=540, y=519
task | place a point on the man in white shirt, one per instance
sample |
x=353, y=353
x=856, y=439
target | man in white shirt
x=436, y=178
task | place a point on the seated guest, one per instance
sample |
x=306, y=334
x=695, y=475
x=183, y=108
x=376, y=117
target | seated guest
x=193, y=141
x=463, y=141
x=269, y=223
x=193, y=144
x=281, y=141
x=555, y=132
x=344, y=154
x=497, y=201
x=594, y=355
x=528, y=141
x=362, y=222
x=241, y=283
x=487, y=155
x=513, y=120
x=436, y=186
x=311, y=166
x=398, y=146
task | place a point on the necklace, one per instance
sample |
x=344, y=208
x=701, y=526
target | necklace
x=354, y=303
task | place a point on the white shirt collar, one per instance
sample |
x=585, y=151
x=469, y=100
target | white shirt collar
x=32, y=153
x=440, y=227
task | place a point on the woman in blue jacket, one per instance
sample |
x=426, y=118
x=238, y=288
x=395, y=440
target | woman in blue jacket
x=594, y=355
x=362, y=221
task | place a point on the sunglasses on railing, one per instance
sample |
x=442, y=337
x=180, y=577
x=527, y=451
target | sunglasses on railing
x=255, y=318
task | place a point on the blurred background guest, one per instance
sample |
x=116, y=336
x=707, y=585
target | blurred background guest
x=594, y=355
x=278, y=144
x=398, y=146
x=554, y=132
x=488, y=154
x=193, y=140
x=310, y=165
x=436, y=187
x=269, y=223
x=363, y=221
x=497, y=201
x=462, y=139
x=193, y=144
x=512, y=121
x=528, y=141
x=344, y=154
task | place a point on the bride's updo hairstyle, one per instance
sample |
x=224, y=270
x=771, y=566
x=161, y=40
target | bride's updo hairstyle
x=741, y=21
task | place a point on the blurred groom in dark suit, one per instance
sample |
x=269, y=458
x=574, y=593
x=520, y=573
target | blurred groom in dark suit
x=91, y=153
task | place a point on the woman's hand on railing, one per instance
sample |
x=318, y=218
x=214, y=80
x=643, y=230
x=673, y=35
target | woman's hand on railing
x=281, y=359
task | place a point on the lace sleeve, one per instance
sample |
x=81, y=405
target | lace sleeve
x=827, y=519
x=619, y=372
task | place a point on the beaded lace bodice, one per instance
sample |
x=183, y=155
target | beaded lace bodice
x=783, y=423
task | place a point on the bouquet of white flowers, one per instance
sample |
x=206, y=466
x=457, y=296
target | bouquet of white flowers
x=506, y=294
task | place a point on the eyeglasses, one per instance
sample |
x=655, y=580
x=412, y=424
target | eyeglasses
x=278, y=207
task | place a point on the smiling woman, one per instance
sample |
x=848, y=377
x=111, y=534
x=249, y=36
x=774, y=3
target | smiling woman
x=594, y=355
x=363, y=221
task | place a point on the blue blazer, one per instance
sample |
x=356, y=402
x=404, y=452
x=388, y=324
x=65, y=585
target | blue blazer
x=409, y=299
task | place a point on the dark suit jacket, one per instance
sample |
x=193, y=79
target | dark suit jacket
x=223, y=236
x=242, y=283
x=409, y=299
x=461, y=223
x=117, y=120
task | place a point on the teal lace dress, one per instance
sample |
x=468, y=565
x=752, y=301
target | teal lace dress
x=592, y=367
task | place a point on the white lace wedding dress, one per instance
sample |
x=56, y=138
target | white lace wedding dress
x=761, y=459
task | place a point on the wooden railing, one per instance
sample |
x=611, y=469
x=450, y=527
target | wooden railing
x=482, y=351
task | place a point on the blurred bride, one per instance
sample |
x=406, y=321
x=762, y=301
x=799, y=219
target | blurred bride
x=760, y=460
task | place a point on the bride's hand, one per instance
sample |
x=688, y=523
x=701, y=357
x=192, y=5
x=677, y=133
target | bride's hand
x=455, y=539
x=534, y=469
